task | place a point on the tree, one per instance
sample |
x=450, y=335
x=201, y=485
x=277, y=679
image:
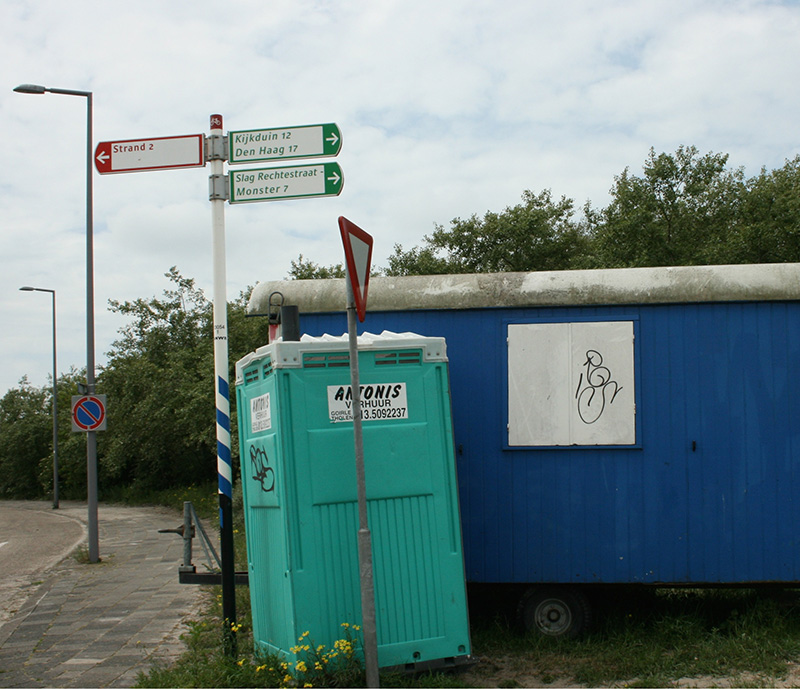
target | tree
x=303, y=269
x=159, y=382
x=537, y=234
x=160, y=386
x=686, y=208
x=770, y=217
x=26, y=425
x=682, y=211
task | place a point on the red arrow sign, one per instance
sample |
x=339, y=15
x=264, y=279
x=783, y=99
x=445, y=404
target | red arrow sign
x=358, y=256
x=138, y=155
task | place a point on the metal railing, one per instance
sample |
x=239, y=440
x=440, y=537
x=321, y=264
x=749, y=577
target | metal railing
x=187, y=572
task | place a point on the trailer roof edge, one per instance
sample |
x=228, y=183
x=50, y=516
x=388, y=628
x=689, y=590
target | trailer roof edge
x=662, y=285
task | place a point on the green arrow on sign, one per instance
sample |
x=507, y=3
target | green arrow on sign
x=308, y=141
x=278, y=183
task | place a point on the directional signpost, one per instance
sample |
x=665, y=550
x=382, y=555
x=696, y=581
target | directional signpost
x=139, y=155
x=277, y=183
x=239, y=186
x=259, y=145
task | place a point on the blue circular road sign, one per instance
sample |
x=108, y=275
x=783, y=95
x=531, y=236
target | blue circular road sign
x=89, y=413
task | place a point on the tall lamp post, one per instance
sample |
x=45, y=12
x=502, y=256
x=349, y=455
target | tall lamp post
x=55, y=394
x=91, y=436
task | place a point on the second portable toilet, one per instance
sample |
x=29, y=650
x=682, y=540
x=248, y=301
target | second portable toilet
x=299, y=483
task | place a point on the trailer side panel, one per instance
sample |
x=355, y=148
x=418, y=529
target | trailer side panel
x=705, y=494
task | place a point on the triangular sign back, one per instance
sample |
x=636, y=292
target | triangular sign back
x=358, y=258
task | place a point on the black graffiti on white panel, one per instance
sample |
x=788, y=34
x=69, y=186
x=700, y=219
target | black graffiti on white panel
x=596, y=388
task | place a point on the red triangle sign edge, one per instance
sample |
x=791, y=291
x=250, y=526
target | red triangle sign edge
x=348, y=230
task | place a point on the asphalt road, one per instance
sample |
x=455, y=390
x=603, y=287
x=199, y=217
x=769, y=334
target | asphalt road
x=32, y=540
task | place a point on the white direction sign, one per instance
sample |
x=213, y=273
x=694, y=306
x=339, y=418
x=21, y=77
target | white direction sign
x=277, y=183
x=139, y=155
x=309, y=141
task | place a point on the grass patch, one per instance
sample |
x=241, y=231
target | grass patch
x=204, y=497
x=653, y=638
x=204, y=664
x=81, y=556
x=647, y=639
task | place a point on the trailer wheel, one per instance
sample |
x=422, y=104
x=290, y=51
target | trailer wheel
x=556, y=612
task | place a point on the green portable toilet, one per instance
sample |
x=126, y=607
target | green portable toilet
x=299, y=484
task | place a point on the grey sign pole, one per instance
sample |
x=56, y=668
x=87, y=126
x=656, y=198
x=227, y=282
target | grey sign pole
x=366, y=579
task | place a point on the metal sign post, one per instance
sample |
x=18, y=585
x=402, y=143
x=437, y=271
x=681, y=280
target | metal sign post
x=216, y=156
x=261, y=184
x=357, y=267
x=365, y=569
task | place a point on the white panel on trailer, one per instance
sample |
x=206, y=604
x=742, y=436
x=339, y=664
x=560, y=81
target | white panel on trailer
x=571, y=384
x=538, y=401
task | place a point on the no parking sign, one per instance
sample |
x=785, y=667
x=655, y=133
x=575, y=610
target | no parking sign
x=89, y=412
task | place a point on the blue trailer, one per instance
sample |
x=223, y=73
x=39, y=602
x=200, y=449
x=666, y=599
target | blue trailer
x=633, y=426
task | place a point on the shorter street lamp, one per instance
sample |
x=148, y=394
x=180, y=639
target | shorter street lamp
x=55, y=394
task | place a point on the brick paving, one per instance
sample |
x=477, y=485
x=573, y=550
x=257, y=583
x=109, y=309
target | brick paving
x=100, y=625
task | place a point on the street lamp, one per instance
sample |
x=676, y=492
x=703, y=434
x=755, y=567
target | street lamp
x=55, y=394
x=91, y=436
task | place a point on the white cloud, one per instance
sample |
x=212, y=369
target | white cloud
x=446, y=109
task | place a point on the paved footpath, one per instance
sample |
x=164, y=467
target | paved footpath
x=100, y=625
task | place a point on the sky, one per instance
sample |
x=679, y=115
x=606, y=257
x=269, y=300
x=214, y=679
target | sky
x=446, y=109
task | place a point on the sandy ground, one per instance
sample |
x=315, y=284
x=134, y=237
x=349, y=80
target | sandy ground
x=508, y=671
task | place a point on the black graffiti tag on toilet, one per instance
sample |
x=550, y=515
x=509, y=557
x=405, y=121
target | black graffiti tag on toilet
x=262, y=471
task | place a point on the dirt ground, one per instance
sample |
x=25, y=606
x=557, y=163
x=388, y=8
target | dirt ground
x=511, y=672
x=508, y=672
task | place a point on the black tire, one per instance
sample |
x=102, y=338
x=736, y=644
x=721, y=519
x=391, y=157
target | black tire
x=555, y=612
